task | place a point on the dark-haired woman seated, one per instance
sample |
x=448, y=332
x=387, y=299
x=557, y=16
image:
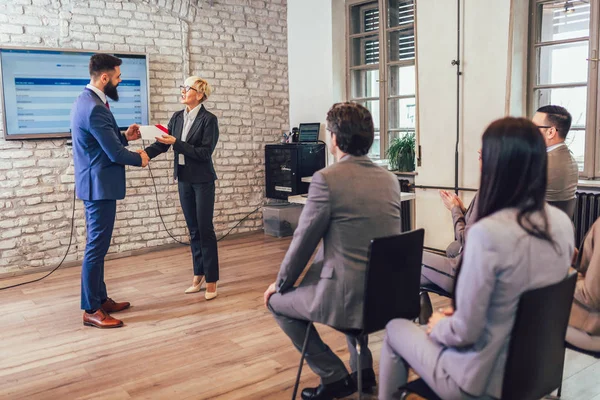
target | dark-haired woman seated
x=518, y=243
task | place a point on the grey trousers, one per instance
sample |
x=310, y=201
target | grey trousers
x=319, y=357
x=439, y=270
x=405, y=345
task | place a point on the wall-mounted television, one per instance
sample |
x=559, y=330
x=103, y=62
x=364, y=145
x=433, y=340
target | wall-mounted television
x=39, y=87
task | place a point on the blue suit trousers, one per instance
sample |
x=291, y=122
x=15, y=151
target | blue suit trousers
x=100, y=221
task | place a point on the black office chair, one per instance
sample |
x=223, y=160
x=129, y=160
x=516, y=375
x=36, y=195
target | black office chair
x=568, y=206
x=536, y=352
x=391, y=289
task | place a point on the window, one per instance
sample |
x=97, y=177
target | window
x=381, y=66
x=564, y=70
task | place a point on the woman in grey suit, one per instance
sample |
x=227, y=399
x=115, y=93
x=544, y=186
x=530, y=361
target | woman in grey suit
x=518, y=243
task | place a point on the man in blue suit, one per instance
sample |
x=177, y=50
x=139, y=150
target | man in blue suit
x=100, y=156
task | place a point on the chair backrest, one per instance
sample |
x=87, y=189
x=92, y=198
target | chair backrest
x=536, y=352
x=568, y=206
x=392, y=279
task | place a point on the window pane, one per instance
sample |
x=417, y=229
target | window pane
x=576, y=142
x=562, y=20
x=373, y=107
x=402, y=80
x=563, y=63
x=398, y=134
x=364, y=83
x=402, y=44
x=364, y=18
x=400, y=12
x=365, y=50
x=573, y=99
x=374, y=153
x=402, y=113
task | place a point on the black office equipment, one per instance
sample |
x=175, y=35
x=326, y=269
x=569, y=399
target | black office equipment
x=287, y=164
x=309, y=132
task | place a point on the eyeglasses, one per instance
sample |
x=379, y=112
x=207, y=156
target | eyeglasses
x=186, y=89
x=543, y=126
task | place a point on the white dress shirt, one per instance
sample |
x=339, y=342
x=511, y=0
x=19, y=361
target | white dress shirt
x=554, y=146
x=99, y=92
x=188, y=120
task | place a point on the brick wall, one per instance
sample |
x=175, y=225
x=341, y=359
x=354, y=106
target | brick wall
x=239, y=46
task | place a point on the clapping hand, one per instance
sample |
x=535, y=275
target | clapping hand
x=145, y=157
x=166, y=139
x=133, y=132
x=451, y=200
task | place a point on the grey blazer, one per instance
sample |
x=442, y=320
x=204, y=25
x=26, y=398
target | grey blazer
x=349, y=203
x=501, y=261
x=563, y=174
x=462, y=223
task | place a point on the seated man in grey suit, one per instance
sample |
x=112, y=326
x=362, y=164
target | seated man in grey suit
x=349, y=204
x=554, y=123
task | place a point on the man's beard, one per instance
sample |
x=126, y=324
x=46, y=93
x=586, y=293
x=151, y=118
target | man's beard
x=111, y=91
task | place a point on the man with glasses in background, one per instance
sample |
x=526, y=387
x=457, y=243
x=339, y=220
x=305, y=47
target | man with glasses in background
x=554, y=123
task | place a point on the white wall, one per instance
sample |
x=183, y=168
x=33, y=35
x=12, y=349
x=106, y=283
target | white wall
x=316, y=37
x=483, y=91
x=310, y=63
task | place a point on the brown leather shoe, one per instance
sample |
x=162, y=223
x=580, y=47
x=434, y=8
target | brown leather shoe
x=100, y=319
x=111, y=306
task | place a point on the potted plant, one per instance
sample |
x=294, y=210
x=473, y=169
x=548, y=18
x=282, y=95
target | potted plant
x=401, y=153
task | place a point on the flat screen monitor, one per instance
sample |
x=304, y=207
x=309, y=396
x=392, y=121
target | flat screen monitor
x=40, y=86
x=309, y=132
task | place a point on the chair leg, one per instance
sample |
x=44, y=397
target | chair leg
x=308, y=328
x=562, y=374
x=558, y=391
x=401, y=395
x=358, y=366
x=426, y=308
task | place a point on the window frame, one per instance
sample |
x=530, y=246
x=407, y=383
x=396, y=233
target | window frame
x=383, y=67
x=591, y=160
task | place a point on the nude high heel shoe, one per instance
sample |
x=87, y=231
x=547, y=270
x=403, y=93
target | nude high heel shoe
x=211, y=295
x=194, y=288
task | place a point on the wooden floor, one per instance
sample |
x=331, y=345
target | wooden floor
x=174, y=346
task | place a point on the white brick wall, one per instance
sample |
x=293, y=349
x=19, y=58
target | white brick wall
x=239, y=46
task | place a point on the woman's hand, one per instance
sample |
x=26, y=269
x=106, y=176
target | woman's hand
x=166, y=139
x=451, y=200
x=437, y=317
x=448, y=311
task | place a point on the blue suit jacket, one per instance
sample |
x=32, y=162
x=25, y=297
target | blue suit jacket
x=99, y=152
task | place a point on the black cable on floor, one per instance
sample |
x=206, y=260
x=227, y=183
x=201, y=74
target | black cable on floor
x=61, y=261
x=165, y=226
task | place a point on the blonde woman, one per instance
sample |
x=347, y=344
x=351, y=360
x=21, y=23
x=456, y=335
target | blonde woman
x=193, y=133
